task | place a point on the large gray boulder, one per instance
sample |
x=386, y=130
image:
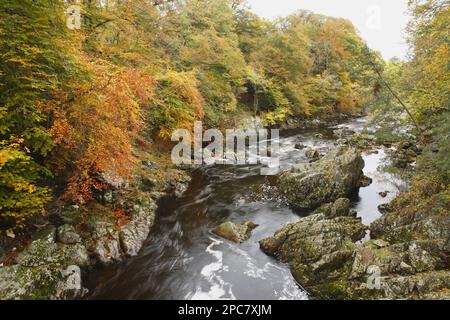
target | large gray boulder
x=307, y=186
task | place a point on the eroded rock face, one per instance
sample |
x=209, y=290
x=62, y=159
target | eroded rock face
x=112, y=243
x=235, y=232
x=335, y=176
x=133, y=235
x=343, y=132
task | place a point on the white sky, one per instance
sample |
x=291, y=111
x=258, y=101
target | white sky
x=380, y=22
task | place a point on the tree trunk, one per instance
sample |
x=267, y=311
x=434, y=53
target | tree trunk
x=396, y=96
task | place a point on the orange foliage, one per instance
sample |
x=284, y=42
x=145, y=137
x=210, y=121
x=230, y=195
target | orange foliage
x=332, y=35
x=97, y=127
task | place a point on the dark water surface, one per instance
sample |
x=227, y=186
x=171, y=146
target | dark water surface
x=183, y=260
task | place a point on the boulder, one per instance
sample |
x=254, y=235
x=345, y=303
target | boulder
x=312, y=238
x=299, y=146
x=47, y=235
x=429, y=223
x=343, y=132
x=72, y=215
x=41, y=253
x=40, y=270
x=383, y=194
x=365, y=181
x=384, y=208
x=148, y=184
x=149, y=165
x=312, y=154
x=335, y=176
x=362, y=140
x=235, y=232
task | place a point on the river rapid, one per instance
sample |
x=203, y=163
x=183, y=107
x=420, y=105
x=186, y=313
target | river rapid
x=182, y=259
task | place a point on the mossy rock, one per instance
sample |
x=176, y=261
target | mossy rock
x=307, y=186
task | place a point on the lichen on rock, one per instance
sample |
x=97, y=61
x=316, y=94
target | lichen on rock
x=335, y=176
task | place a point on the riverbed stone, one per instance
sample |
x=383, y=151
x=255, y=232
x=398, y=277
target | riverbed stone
x=383, y=194
x=234, y=232
x=365, y=181
x=335, y=176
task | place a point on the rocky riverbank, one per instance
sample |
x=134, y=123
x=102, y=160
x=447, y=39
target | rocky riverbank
x=327, y=259
x=406, y=256
x=75, y=240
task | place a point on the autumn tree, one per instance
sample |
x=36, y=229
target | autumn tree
x=34, y=61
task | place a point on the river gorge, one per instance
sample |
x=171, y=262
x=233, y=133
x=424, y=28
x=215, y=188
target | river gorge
x=182, y=259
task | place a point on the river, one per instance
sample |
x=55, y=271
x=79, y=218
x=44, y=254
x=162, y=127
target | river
x=183, y=260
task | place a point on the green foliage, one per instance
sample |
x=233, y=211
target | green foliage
x=33, y=64
x=437, y=152
x=428, y=73
x=423, y=84
x=176, y=104
x=211, y=48
x=314, y=61
x=20, y=197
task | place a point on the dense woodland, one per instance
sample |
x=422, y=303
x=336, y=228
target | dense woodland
x=75, y=104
